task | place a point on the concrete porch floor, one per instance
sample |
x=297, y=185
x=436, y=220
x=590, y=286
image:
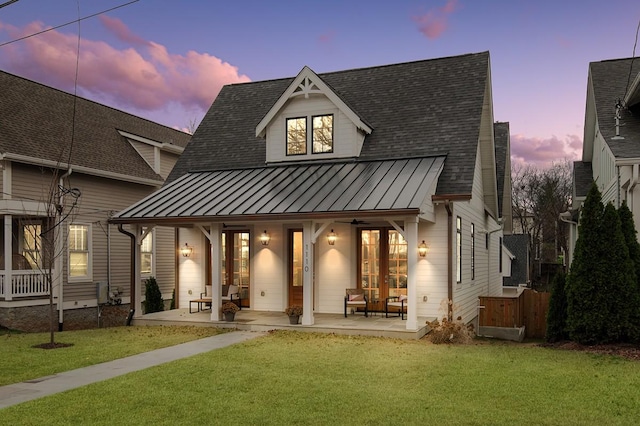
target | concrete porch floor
x=355, y=324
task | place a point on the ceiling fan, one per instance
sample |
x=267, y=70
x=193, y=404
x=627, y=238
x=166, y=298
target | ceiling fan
x=355, y=222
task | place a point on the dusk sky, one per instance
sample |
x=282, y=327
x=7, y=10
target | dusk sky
x=167, y=60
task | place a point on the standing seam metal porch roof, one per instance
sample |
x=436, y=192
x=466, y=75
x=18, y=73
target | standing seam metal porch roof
x=268, y=192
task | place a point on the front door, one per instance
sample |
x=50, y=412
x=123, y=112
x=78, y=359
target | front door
x=383, y=264
x=295, y=267
x=235, y=262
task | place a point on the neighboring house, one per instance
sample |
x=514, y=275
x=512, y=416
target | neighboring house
x=300, y=188
x=68, y=164
x=611, y=149
x=517, y=258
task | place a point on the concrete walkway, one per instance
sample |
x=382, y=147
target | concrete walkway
x=37, y=388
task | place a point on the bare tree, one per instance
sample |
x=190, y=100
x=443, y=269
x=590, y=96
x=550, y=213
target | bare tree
x=539, y=196
x=45, y=241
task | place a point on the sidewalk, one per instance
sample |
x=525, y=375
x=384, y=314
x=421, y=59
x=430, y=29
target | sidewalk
x=37, y=388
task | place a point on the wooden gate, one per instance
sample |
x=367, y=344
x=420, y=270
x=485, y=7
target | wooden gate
x=528, y=309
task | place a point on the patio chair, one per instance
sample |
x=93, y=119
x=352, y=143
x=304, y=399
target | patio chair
x=398, y=302
x=231, y=293
x=355, y=298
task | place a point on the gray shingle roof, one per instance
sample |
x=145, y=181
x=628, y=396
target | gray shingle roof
x=582, y=178
x=417, y=109
x=332, y=190
x=609, y=80
x=518, y=245
x=37, y=121
x=501, y=137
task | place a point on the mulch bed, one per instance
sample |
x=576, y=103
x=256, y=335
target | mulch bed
x=624, y=350
x=54, y=345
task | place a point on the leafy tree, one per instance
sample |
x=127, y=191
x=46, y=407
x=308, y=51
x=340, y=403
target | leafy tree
x=153, y=296
x=620, y=288
x=585, y=311
x=557, y=314
x=630, y=236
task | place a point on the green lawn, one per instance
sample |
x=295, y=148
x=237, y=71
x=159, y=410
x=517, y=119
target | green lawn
x=21, y=361
x=299, y=378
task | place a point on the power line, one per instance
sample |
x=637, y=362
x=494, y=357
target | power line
x=68, y=23
x=7, y=3
x=633, y=56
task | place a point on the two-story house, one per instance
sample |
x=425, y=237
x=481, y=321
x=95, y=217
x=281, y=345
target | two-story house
x=383, y=179
x=611, y=148
x=68, y=164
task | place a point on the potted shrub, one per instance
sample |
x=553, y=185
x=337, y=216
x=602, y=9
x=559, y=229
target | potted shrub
x=294, y=312
x=229, y=310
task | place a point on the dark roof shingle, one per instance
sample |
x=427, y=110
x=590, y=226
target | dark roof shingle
x=609, y=81
x=38, y=121
x=417, y=109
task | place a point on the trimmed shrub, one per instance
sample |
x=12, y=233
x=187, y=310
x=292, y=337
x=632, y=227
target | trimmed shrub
x=153, y=296
x=557, y=314
x=173, y=299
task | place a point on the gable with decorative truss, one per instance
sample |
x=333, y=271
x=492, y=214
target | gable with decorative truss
x=311, y=122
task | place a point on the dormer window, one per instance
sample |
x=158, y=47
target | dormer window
x=320, y=138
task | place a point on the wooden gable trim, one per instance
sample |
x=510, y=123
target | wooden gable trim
x=305, y=83
x=163, y=146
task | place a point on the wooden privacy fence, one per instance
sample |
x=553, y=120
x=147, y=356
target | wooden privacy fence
x=527, y=309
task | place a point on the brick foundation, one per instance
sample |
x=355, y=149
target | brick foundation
x=36, y=318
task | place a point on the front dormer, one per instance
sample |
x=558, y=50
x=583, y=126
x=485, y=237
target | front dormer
x=311, y=122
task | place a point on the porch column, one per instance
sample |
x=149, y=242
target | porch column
x=216, y=287
x=7, y=257
x=411, y=235
x=137, y=271
x=307, y=274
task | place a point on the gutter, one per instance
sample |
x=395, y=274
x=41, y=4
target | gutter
x=447, y=205
x=132, y=274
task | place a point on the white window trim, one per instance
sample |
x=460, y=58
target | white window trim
x=89, y=276
x=145, y=275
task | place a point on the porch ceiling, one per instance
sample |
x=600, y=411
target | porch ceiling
x=288, y=191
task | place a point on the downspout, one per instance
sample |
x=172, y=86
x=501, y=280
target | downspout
x=59, y=266
x=132, y=275
x=447, y=205
x=634, y=182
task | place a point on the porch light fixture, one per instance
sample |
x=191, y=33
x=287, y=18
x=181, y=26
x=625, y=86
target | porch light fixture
x=331, y=238
x=423, y=249
x=186, y=250
x=264, y=238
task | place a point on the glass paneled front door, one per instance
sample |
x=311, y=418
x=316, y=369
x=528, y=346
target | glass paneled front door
x=383, y=264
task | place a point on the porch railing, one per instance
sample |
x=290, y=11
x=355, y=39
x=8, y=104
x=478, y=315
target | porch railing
x=23, y=284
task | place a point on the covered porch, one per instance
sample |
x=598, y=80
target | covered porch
x=354, y=325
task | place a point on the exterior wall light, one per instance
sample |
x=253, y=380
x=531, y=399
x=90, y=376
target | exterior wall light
x=423, y=249
x=264, y=238
x=331, y=238
x=186, y=250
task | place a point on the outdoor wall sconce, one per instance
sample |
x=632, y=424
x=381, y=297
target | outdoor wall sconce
x=423, y=249
x=264, y=238
x=186, y=250
x=331, y=238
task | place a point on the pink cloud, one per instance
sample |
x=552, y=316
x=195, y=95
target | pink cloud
x=120, y=30
x=543, y=152
x=434, y=22
x=327, y=37
x=146, y=77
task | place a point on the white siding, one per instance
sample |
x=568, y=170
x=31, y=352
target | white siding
x=335, y=268
x=268, y=269
x=191, y=269
x=347, y=141
x=488, y=279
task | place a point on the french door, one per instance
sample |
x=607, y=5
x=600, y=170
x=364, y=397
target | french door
x=234, y=268
x=382, y=256
x=295, y=266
